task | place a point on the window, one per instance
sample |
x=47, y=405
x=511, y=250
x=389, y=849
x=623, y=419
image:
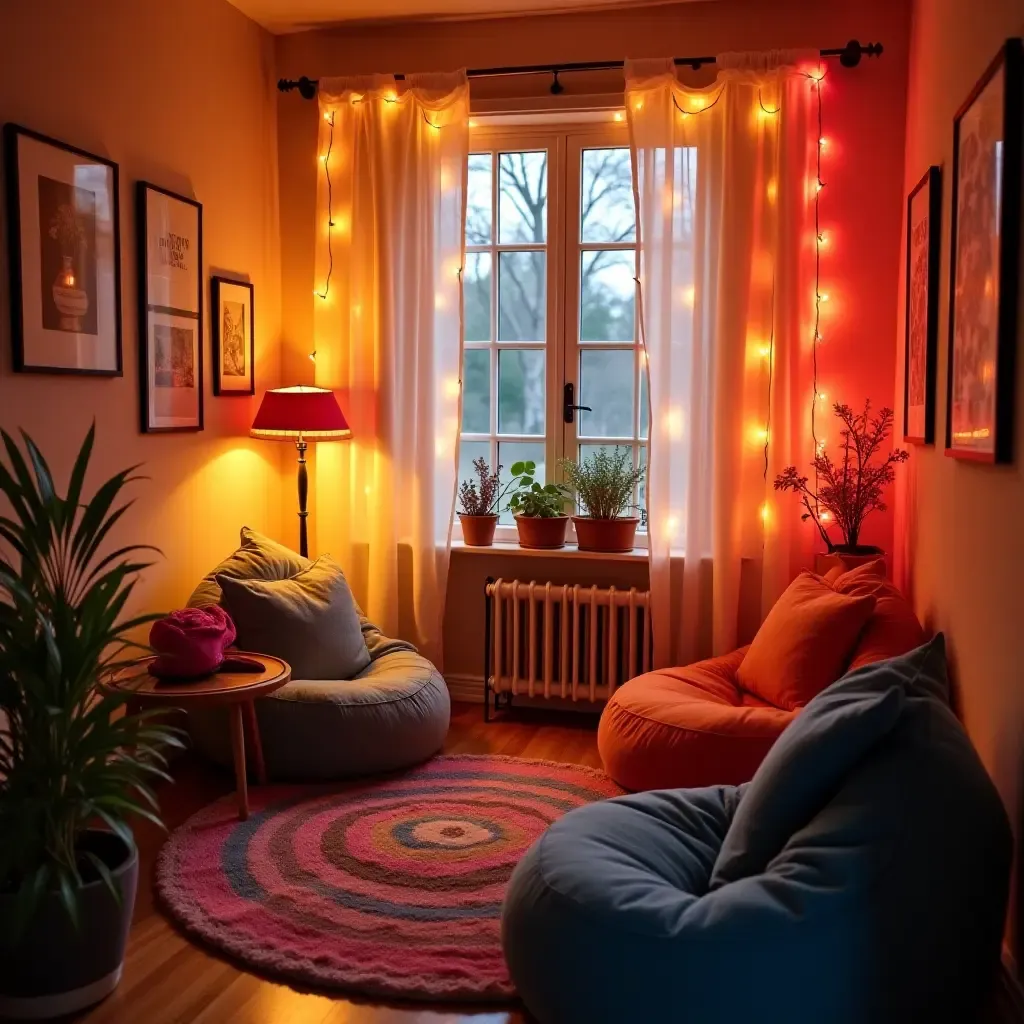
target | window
x=550, y=299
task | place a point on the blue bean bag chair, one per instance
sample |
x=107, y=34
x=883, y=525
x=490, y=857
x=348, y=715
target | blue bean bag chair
x=861, y=878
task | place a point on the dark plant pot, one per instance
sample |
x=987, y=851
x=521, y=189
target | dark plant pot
x=478, y=531
x=56, y=969
x=541, y=531
x=848, y=556
x=605, y=534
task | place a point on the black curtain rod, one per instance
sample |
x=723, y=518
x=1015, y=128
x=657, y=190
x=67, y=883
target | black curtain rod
x=849, y=56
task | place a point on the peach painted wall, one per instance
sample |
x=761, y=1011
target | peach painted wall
x=179, y=94
x=864, y=121
x=961, y=523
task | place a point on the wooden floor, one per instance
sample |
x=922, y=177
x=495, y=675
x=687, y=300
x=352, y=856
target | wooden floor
x=168, y=980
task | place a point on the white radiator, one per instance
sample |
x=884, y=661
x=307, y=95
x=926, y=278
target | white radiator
x=563, y=641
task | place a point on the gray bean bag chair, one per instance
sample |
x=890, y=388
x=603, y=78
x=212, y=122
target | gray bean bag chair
x=860, y=878
x=393, y=714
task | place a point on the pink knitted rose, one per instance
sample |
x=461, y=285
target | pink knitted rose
x=190, y=643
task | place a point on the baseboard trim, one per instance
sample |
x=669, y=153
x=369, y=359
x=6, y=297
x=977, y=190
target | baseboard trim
x=465, y=689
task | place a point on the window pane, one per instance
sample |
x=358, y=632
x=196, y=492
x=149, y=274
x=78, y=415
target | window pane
x=523, y=197
x=644, y=413
x=478, y=200
x=510, y=452
x=468, y=451
x=476, y=391
x=522, y=296
x=476, y=290
x=606, y=385
x=607, y=295
x=606, y=197
x=521, y=392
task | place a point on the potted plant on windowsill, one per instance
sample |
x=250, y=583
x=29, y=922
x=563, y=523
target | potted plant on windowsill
x=604, y=485
x=847, y=490
x=71, y=774
x=539, y=509
x=479, y=500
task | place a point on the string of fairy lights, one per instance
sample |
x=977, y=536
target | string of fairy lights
x=700, y=106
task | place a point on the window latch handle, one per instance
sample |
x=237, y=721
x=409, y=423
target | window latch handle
x=569, y=406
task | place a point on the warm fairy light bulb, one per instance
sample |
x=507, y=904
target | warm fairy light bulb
x=451, y=387
x=823, y=240
x=825, y=517
x=619, y=115
x=674, y=422
x=822, y=397
x=773, y=190
x=473, y=124
x=764, y=351
x=312, y=356
x=819, y=186
x=639, y=105
x=764, y=512
x=689, y=296
x=824, y=297
x=759, y=434
x=328, y=116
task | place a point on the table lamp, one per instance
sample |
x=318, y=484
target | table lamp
x=301, y=414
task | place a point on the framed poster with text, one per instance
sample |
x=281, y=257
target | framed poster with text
x=170, y=241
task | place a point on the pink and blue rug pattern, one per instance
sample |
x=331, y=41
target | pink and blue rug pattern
x=388, y=887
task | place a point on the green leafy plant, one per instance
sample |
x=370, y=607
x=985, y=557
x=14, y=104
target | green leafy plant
x=66, y=763
x=604, y=482
x=533, y=499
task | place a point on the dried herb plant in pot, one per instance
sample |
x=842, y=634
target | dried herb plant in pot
x=849, y=487
x=479, y=500
x=604, y=484
x=539, y=509
x=71, y=773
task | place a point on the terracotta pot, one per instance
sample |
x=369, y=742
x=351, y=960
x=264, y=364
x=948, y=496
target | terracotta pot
x=605, y=534
x=478, y=531
x=848, y=558
x=541, y=531
x=57, y=969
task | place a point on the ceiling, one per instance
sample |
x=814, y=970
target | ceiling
x=281, y=16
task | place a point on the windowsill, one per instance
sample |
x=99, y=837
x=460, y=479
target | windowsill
x=569, y=551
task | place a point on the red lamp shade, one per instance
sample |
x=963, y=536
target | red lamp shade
x=300, y=412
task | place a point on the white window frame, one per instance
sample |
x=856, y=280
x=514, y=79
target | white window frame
x=565, y=142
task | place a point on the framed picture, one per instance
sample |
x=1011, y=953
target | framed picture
x=170, y=229
x=64, y=256
x=984, y=263
x=233, y=349
x=924, y=213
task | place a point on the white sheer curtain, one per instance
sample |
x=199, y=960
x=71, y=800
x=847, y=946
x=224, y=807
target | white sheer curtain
x=724, y=178
x=392, y=179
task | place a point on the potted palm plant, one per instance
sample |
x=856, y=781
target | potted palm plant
x=71, y=773
x=847, y=490
x=604, y=484
x=538, y=509
x=480, y=500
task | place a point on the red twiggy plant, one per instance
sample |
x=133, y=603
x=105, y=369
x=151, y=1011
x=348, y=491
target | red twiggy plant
x=480, y=497
x=846, y=490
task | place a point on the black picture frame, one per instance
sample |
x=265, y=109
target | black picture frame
x=22, y=359
x=218, y=286
x=1009, y=61
x=927, y=192
x=184, y=314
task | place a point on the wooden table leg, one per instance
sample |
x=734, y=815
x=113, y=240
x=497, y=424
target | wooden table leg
x=253, y=728
x=238, y=750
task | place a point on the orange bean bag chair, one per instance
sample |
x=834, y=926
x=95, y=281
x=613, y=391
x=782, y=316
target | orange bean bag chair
x=697, y=726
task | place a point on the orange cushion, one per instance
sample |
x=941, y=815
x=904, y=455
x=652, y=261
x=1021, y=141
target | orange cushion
x=687, y=727
x=893, y=628
x=805, y=643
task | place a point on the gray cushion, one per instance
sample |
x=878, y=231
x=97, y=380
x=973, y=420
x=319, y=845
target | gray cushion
x=809, y=760
x=887, y=906
x=310, y=620
x=259, y=557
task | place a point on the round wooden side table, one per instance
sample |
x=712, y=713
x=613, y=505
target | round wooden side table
x=236, y=690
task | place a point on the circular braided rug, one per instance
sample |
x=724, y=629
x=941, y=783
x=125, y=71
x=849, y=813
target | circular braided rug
x=391, y=886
